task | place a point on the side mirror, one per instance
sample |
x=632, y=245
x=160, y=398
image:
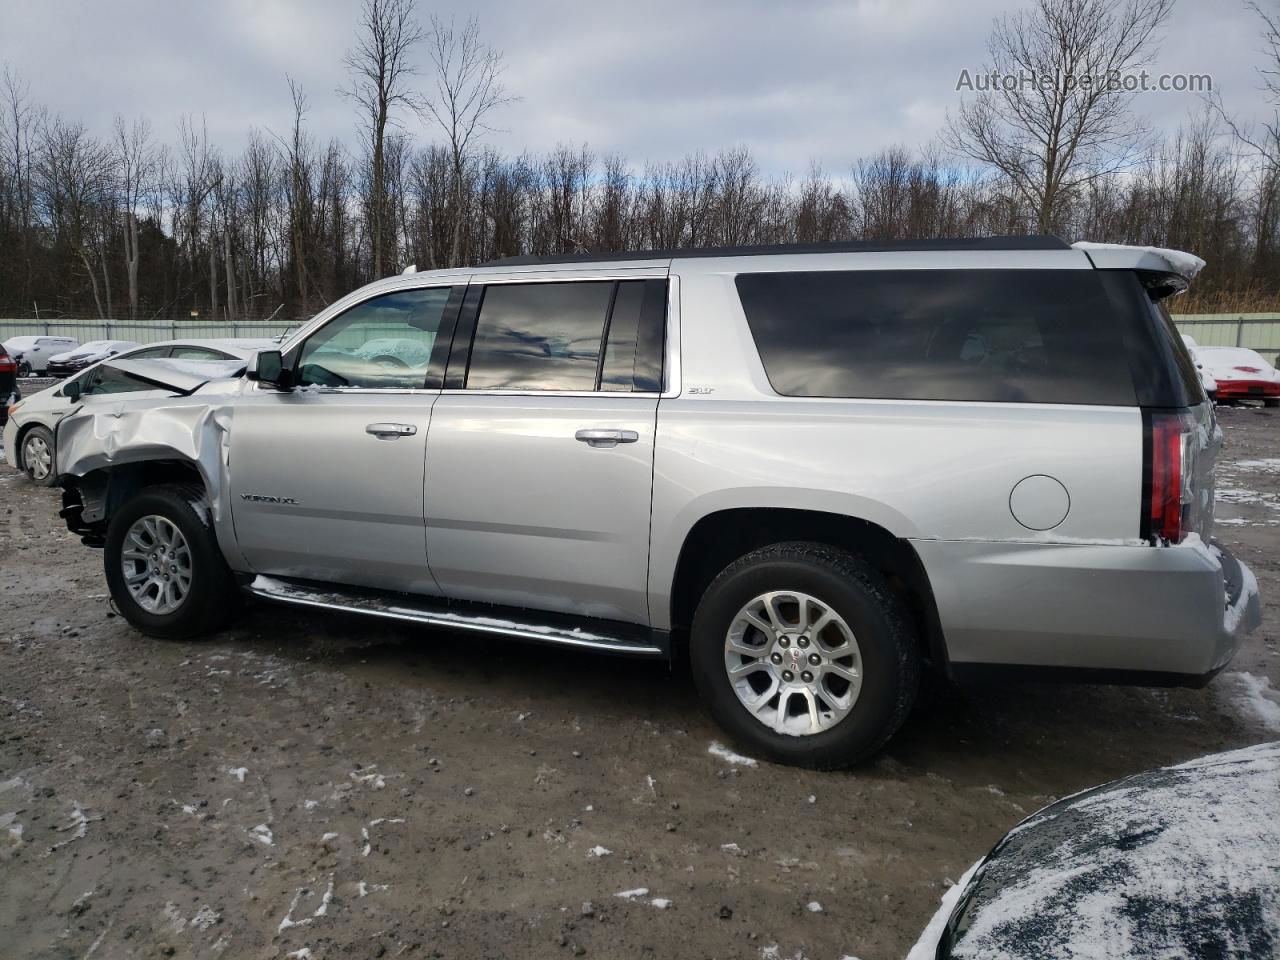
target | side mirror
x=267, y=367
x=71, y=390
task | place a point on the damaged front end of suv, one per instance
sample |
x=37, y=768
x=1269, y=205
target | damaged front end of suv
x=108, y=448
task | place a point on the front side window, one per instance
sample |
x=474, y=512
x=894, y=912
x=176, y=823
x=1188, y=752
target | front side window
x=150, y=353
x=386, y=342
x=1014, y=336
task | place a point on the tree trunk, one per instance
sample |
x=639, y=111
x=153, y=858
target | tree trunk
x=231, y=274
x=93, y=280
x=131, y=262
x=379, y=183
x=106, y=285
x=455, y=254
x=213, y=275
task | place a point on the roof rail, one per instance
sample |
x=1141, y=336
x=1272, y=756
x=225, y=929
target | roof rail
x=850, y=246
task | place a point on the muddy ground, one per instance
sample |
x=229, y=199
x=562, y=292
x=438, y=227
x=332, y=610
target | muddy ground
x=315, y=786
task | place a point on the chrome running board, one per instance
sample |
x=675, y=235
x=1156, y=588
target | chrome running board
x=604, y=635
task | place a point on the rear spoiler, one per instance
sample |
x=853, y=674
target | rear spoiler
x=1161, y=270
x=183, y=376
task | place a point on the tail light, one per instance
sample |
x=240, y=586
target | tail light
x=1248, y=369
x=1170, y=469
x=7, y=364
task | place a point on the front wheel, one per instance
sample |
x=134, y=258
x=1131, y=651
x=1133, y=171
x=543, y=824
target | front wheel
x=165, y=571
x=24, y=369
x=803, y=654
x=36, y=456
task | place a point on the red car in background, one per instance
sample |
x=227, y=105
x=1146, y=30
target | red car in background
x=8, y=384
x=1241, y=374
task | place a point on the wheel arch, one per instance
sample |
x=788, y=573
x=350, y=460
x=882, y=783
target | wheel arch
x=720, y=537
x=90, y=500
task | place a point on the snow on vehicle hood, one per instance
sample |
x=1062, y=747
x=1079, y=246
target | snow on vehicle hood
x=1120, y=256
x=1224, y=363
x=1179, y=861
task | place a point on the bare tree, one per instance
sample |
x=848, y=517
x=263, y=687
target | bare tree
x=468, y=89
x=1051, y=117
x=137, y=162
x=380, y=70
x=19, y=120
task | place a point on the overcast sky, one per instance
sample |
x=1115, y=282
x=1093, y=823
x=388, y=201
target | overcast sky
x=817, y=80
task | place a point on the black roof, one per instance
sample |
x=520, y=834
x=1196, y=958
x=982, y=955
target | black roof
x=851, y=246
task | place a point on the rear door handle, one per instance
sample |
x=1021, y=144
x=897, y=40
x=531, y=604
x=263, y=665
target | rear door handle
x=598, y=437
x=391, y=431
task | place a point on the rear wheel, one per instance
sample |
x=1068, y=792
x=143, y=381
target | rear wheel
x=164, y=568
x=1271, y=402
x=36, y=455
x=804, y=655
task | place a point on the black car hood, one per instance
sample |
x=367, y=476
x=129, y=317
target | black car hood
x=1182, y=861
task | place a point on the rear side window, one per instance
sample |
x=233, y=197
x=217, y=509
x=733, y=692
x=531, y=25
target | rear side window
x=1014, y=336
x=200, y=353
x=577, y=336
x=150, y=353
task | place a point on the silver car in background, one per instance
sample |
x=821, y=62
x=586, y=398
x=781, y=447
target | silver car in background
x=808, y=472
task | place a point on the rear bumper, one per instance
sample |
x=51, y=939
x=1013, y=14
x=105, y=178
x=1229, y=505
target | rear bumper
x=1177, y=613
x=1243, y=389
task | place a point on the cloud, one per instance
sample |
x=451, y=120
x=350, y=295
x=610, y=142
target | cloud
x=825, y=80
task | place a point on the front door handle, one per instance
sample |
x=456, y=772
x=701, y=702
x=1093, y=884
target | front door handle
x=598, y=437
x=391, y=431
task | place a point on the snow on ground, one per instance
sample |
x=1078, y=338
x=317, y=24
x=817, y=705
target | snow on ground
x=718, y=749
x=1257, y=699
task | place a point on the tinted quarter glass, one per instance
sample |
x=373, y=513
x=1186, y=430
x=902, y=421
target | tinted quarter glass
x=539, y=336
x=386, y=342
x=1017, y=336
x=617, y=372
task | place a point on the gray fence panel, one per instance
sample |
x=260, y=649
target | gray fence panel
x=145, y=331
x=1257, y=331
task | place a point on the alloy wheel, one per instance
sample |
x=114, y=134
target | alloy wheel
x=157, y=564
x=793, y=662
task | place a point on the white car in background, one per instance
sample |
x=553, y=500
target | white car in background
x=32, y=354
x=73, y=361
x=28, y=436
x=1207, y=380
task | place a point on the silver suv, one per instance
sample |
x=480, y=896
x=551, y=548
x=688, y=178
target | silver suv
x=809, y=472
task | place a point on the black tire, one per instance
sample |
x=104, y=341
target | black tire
x=1271, y=402
x=32, y=468
x=24, y=369
x=213, y=598
x=891, y=663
